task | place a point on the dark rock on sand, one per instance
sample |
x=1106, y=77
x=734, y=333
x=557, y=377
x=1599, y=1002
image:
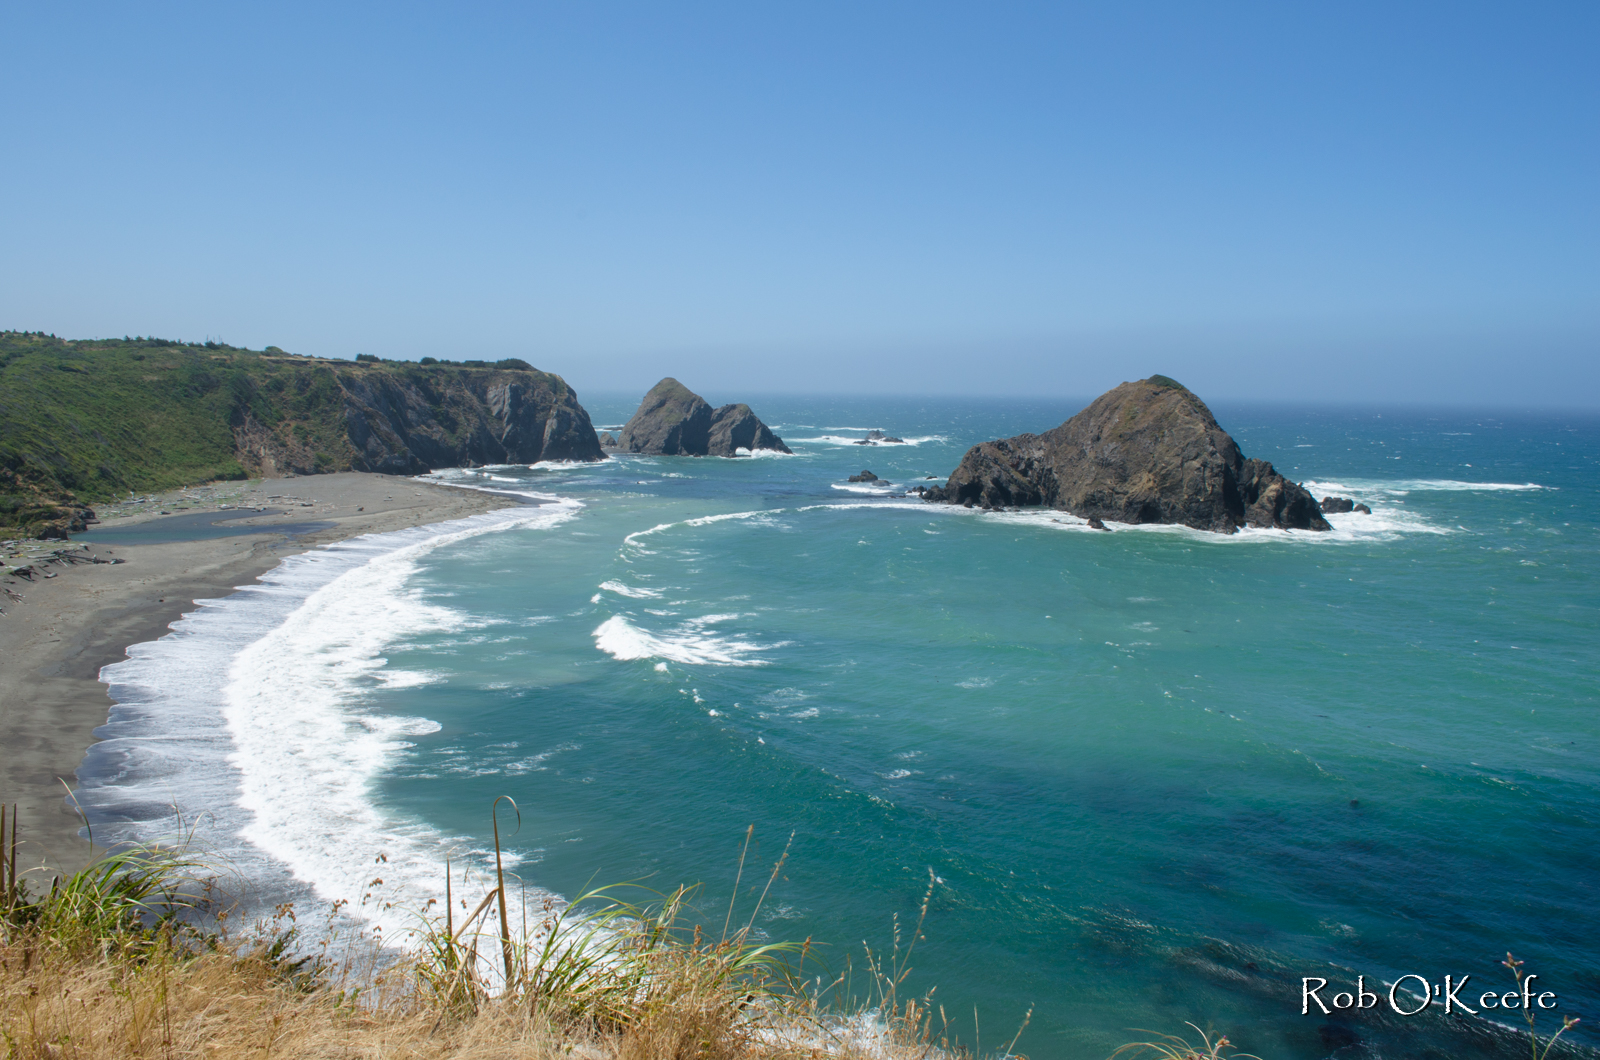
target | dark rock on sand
x=675, y=421
x=1146, y=452
x=865, y=476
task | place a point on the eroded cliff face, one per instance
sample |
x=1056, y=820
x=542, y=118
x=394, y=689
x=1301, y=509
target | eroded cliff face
x=419, y=419
x=675, y=421
x=1146, y=452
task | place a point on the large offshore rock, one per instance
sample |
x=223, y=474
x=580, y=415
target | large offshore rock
x=1146, y=452
x=675, y=421
x=735, y=427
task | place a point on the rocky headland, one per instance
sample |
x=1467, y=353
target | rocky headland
x=86, y=422
x=675, y=421
x=407, y=423
x=1146, y=452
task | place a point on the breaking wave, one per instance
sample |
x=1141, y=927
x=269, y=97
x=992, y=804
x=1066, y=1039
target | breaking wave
x=256, y=709
x=689, y=643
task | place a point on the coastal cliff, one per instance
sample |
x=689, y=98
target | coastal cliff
x=1146, y=452
x=673, y=420
x=86, y=421
x=410, y=421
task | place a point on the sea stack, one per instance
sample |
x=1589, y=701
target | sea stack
x=1146, y=452
x=675, y=421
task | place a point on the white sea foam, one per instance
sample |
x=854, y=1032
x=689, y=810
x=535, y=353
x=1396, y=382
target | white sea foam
x=704, y=520
x=630, y=591
x=465, y=479
x=1401, y=487
x=839, y=439
x=949, y=509
x=688, y=643
x=255, y=711
x=1384, y=524
x=879, y=488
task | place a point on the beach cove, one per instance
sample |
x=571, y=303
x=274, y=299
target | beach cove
x=67, y=627
x=1155, y=773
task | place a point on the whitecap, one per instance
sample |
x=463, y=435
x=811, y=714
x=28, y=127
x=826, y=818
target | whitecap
x=879, y=488
x=633, y=592
x=1401, y=487
x=689, y=644
x=704, y=520
x=863, y=443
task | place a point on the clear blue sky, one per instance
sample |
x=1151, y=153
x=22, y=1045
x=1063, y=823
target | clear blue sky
x=1311, y=201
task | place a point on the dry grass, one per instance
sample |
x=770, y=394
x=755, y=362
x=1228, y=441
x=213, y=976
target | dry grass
x=174, y=998
x=1172, y=1047
x=111, y=963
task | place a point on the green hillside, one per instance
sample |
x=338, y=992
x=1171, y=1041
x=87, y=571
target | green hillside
x=86, y=421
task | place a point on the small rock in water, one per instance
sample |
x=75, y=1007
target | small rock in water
x=1363, y=509
x=1338, y=504
x=1096, y=524
x=865, y=476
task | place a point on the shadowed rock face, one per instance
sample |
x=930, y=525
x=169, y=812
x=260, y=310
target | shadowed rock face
x=735, y=427
x=401, y=425
x=1146, y=452
x=675, y=421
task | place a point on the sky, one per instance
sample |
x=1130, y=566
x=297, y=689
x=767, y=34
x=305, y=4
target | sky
x=1315, y=202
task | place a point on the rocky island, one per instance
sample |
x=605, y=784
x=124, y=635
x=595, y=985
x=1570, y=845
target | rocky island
x=1146, y=452
x=675, y=421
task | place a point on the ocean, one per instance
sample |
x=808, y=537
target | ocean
x=1153, y=776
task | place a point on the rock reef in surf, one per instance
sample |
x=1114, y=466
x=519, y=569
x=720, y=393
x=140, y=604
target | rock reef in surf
x=675, y=421
x=1335, y=505
x=1146, y=452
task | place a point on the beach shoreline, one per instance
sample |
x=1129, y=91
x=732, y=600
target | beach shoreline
x=67, y=627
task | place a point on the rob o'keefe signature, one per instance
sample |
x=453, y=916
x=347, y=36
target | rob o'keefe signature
x=1409, y=1001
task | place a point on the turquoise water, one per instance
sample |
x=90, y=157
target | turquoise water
x=1158, y=775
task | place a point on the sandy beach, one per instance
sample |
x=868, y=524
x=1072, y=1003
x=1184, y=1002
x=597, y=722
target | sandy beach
x=66, y=627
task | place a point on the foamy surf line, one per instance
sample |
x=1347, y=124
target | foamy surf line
x=480, y=481
x=252, y=719
x=1401, y=487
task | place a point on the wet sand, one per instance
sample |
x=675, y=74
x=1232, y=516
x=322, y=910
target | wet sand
x=55, y=640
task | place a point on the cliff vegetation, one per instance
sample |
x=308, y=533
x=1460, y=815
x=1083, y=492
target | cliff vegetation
x=86, y=421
